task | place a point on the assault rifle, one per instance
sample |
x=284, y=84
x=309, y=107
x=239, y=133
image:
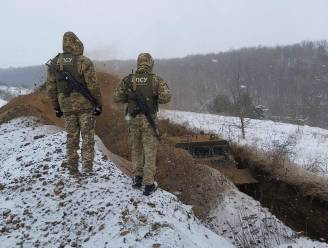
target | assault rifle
x=144, y=109
x=79, y=87
x=75, y=85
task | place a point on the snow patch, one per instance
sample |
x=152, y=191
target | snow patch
x=15, y=91
x=304, y=243
x=244, y=220
x=2, y=102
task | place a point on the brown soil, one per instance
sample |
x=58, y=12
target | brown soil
x=287, y=202
x=297, y=197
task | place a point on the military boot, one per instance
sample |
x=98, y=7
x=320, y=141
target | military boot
x=88, y=169
x=72, y=167
x=137, y=182
x=73, y=170
x=149, y=189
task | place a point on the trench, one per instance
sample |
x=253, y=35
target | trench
x=306, y=215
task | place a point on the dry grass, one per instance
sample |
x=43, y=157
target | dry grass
x=277, y=164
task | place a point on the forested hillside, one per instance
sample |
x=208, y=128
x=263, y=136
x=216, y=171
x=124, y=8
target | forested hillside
x=288, y=80
x=27, y=77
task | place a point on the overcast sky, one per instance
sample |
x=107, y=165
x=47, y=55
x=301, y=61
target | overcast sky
x=31, y=30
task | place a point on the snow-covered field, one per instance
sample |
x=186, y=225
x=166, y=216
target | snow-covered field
x=2, y=102
x=307, y=145
x=15, y=91
x=42, y=206
x=9, y=92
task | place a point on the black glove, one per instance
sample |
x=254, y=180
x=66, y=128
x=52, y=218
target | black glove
x=97, y=111
x=58, y=112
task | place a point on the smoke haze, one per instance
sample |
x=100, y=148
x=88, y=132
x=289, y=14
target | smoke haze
x=166, y=28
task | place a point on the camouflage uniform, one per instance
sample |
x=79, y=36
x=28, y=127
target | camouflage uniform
x=142, y=138
x=78, y=111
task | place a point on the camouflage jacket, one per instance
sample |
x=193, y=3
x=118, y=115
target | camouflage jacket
x=160, y=90
x=75, y=102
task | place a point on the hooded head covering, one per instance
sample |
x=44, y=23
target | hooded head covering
x=145, y=63
x=72, y=44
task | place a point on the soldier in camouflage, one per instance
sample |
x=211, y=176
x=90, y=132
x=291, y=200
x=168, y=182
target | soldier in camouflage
x=79, y=113
x=142, y=137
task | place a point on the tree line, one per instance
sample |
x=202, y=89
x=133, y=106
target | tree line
x=289, y=81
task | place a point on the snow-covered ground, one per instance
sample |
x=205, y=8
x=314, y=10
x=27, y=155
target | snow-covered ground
x=303, y=243
x=15, y=91
x=42, y=206
x=8, y=92
x=2, y=102
x=244, y=220
x=307, y=145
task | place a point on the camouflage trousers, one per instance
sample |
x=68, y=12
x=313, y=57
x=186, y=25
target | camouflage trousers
x=144, y=145
x=75, y=124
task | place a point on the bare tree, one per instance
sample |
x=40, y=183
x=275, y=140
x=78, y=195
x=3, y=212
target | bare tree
x=242, y=103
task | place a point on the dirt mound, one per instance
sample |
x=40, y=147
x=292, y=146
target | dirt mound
x=197, y=185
